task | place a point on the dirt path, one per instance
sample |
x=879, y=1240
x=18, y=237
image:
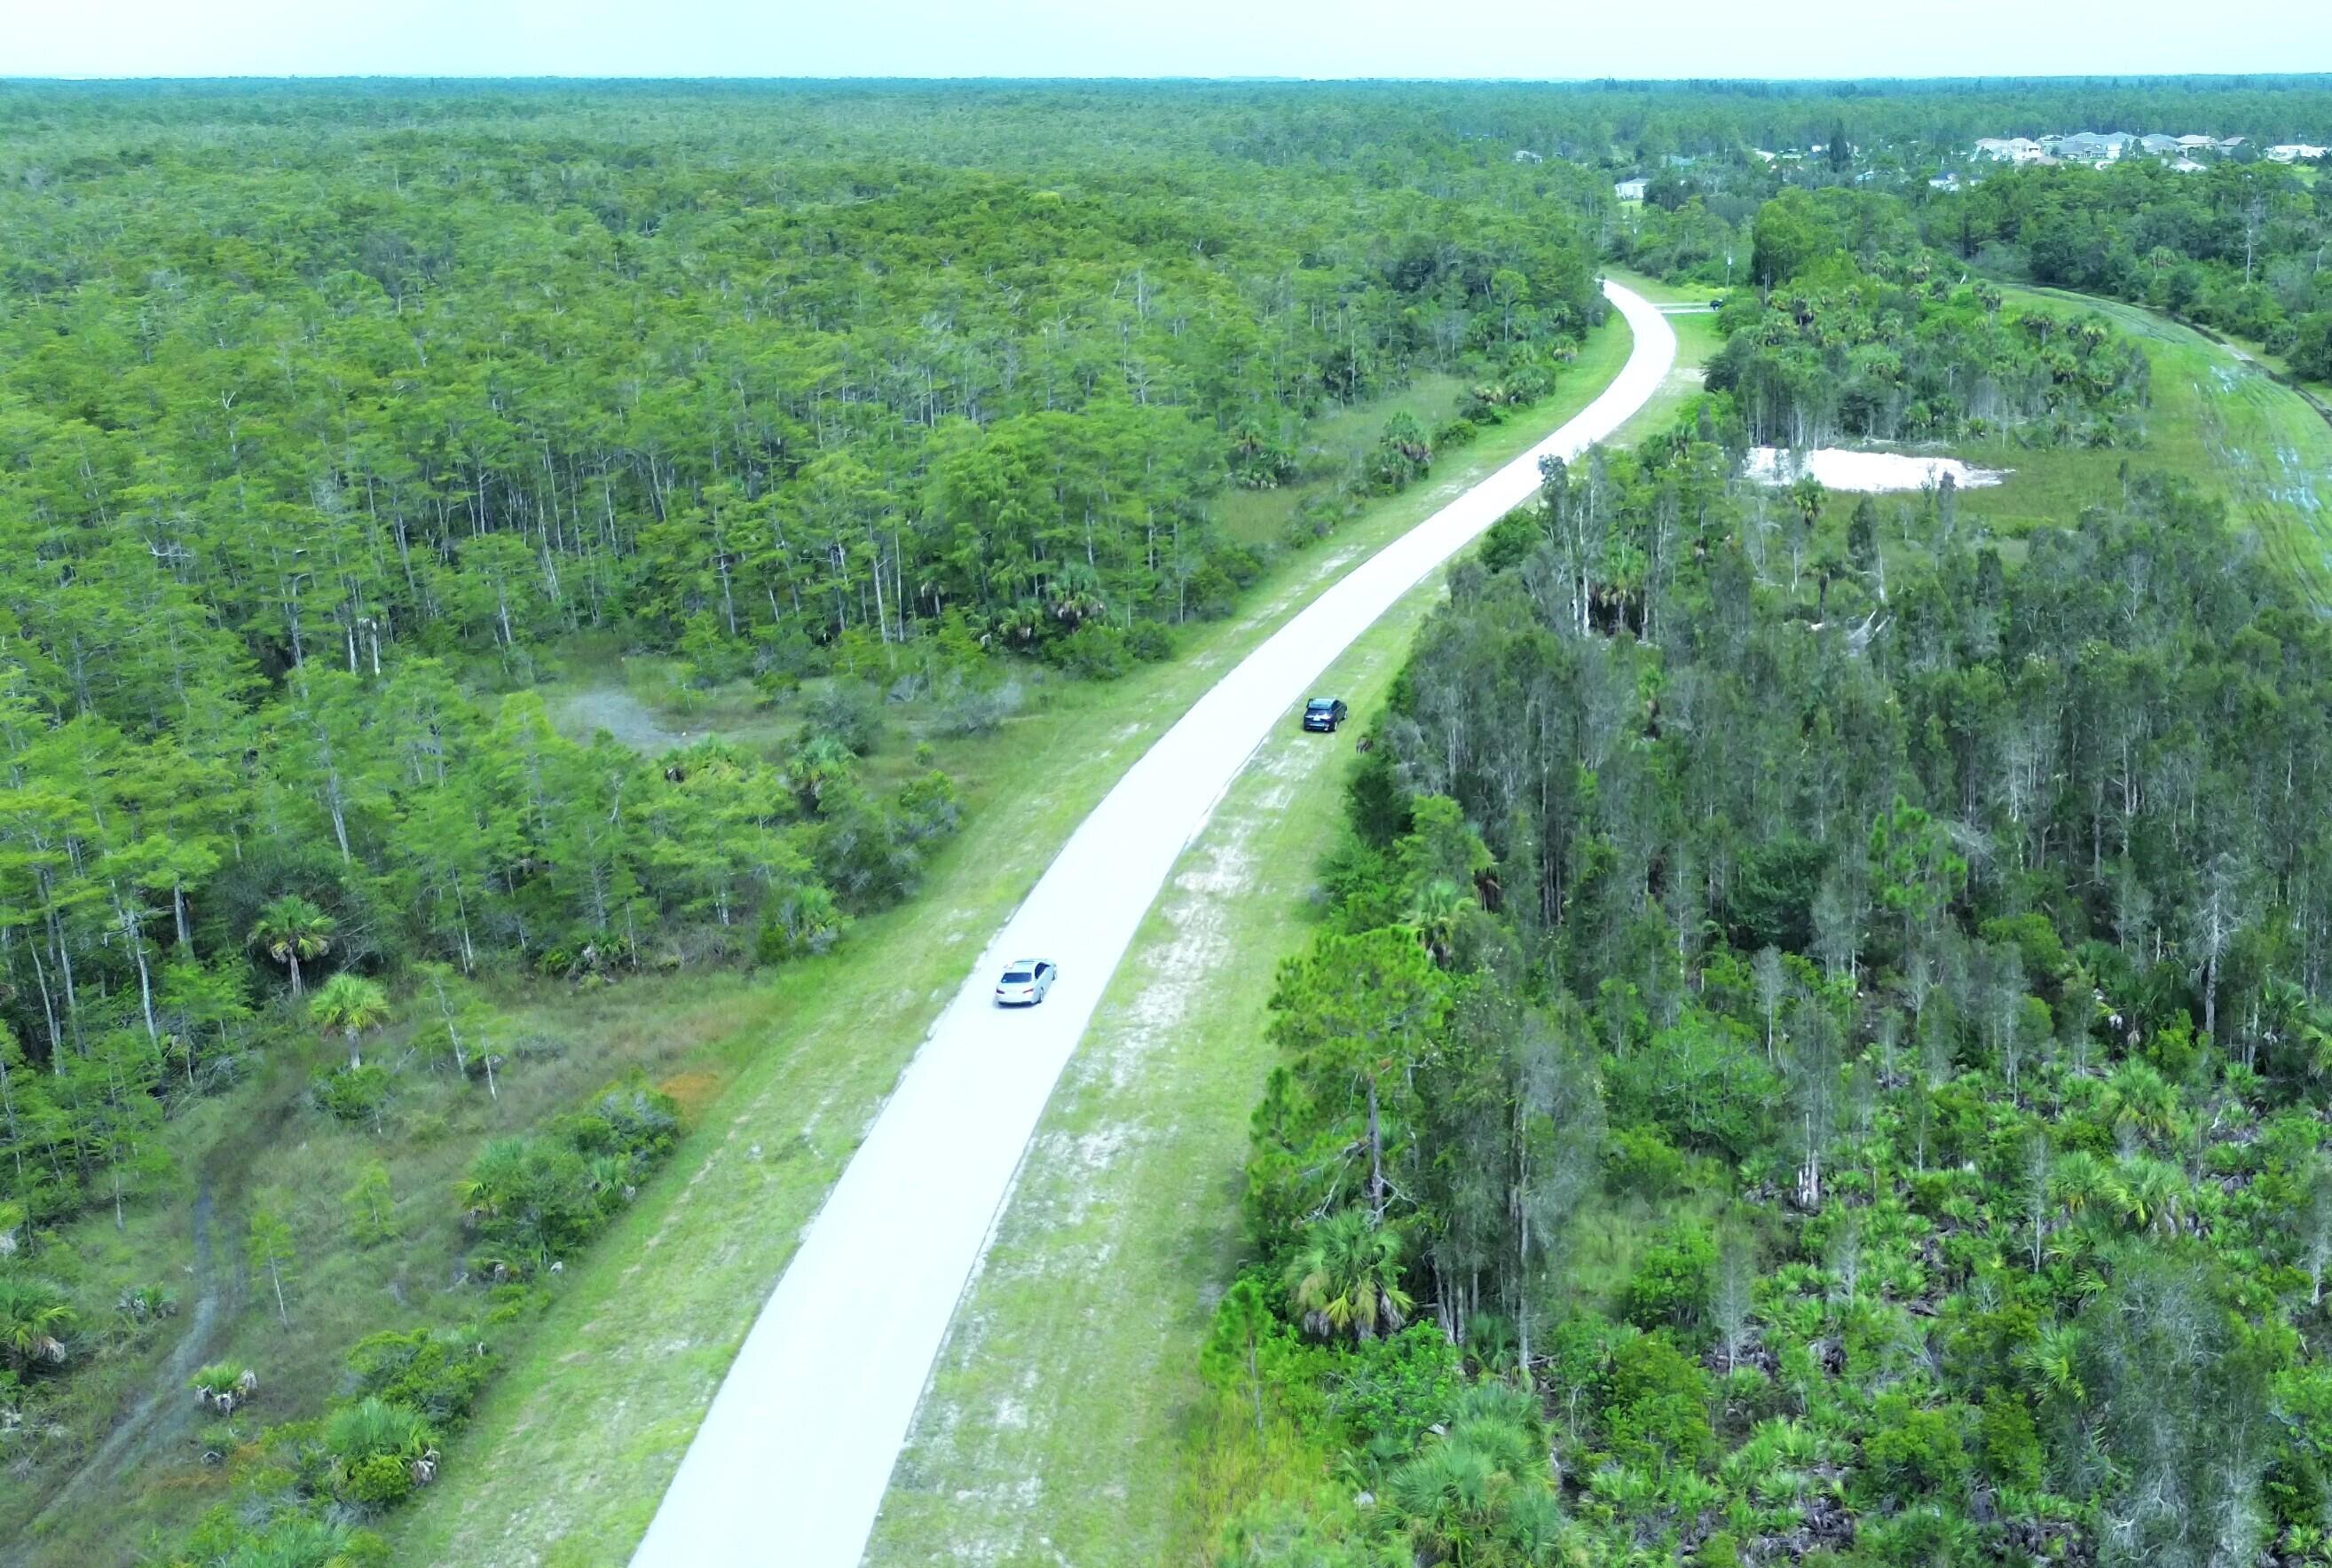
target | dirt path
x=791, y=1461
x=165, y=1409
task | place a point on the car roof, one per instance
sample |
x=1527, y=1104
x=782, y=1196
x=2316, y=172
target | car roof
x=1321, y=702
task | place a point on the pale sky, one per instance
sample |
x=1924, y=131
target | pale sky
x=1538, y=39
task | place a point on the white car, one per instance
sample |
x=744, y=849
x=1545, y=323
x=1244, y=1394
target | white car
x=1026, y=980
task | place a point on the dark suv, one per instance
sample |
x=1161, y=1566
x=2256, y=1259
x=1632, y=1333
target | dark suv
x=1323, y=714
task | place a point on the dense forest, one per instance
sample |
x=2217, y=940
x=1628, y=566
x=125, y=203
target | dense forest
x=334, y=421
x=1837, y=1061
x=306, y=450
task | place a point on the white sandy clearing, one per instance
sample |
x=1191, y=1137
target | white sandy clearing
x=1871, y=471
x=790, y=1464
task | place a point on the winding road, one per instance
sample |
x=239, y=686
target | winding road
x=792, y=1459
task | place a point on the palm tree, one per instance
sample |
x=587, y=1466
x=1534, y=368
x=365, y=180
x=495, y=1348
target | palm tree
x=2147, y=1192
x=2052, y=1360
x=2078, y=1180
x=351, y=1004
x=1433, y=913
x=1346, y=1277
x=2144, y=1103
x=291, y=929
x=33, y=1315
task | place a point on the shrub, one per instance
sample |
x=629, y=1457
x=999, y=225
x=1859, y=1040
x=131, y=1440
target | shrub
x=529, y=1199
x=223, y=1377
x=1394, y=1388
x=379, y=1482
x=354, y=1094
x=1913, y=1450
x=377, y=1426
x=1656, y=1404
x=1671, y=1286
x=978, y=708
x=372, y=1445
x=847, y=713
x=1640, y=1161
x=1151, y=642
x=1094, y=651
x=799, y=919
x=35, y=1316
x=1452, y=433
x=439, y=1374
x=928, y=807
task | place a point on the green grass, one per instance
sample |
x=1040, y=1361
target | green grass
x=1055, y=1427
x=575, y=1443
x=1334, y=446
x=2216, y=417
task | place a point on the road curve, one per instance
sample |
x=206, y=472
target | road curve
x=791, y=1462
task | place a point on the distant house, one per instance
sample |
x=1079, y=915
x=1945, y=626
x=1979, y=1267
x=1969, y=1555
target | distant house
x=1525, y=155
x=2233, y=142
x=1949, y=180
x=2194, y=144
x=2094, y=146
x=1630, y=190
x=2008, y=148
x=2159, y=145
x=2185, y=166
x=2295, y=152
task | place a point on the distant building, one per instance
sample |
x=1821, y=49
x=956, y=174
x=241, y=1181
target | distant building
x=2092, y=147
x=1949, y=180
x=1525, y=155
x=2009, y=149
x=1630, y=190
x=2185, y=166
x=2159, y=145
x=2295, y=152
x=2194, y=144
x=2233, y=142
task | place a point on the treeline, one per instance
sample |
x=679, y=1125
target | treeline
x=2242, y=248
x=1387, y=129
x=1802, y=1071
x=1858, y=330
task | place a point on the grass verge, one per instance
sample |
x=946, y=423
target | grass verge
x=574, y=1446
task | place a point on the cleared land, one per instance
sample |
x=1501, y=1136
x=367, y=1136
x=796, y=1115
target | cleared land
x=575, y=1445
x=2218, y=417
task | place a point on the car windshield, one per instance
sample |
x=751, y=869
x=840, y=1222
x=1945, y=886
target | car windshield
x=1017, y=977
x=1322, y=704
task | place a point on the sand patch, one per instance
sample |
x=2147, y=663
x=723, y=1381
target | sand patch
x=1865, y=473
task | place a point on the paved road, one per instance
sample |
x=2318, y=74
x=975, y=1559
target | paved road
x=793, y=1458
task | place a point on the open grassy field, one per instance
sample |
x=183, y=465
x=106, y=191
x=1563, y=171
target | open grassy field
x=2217, y=418
x=574, y=1445
x=1052, y=1430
